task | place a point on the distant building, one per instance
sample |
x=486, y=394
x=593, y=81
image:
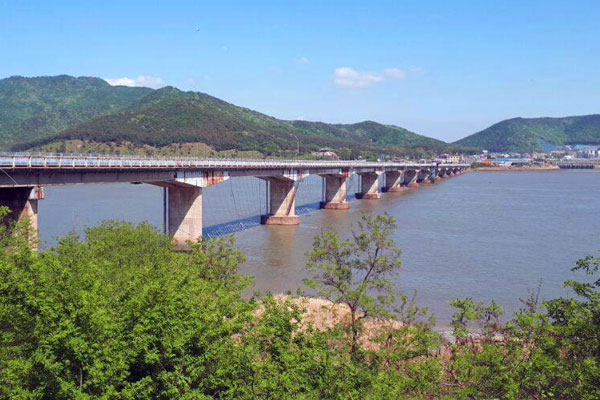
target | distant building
x=448, y=159
x=589, y=152
x=325, y=152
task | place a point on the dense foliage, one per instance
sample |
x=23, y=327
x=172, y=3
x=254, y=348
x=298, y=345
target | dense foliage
x=55, y=113
x=120, y=315
x=34, y=108
x=169, y=116
x=530, y=134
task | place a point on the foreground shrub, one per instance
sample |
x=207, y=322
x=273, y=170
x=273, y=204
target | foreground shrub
x=121, y=315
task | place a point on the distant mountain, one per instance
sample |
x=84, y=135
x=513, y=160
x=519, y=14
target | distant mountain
x=34, y=108
x=169, y=117
x=370, y=131
x=529, y=134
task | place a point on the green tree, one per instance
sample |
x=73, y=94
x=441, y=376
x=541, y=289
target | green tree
x=357, y=273
x=120, y=315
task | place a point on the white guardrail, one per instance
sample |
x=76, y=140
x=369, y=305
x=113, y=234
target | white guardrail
x=51, y=161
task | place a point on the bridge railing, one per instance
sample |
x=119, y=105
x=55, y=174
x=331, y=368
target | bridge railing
x=51, y=161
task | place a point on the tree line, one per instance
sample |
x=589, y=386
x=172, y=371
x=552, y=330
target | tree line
x=120, y=315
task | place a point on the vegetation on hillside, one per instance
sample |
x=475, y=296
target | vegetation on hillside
x=529, y=134
x=88, y=115
x=169, y=116
x=121, y=315
x=34, y=108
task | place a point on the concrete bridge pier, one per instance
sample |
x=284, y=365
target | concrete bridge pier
x=184, y=210
x=410, y=178
x=23, y=205
x=423, y=177
x=393, y=182
x=432, y=178
x=183, y=204
x=282, y=198
x=369, y=186
x=282, y=203
x=335, y=192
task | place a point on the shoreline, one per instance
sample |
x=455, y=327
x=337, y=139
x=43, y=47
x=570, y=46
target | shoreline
x=500, y=169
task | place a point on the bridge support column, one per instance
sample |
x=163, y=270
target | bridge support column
x=23, y=204
x=410, y=178
x=184, y=214
x=393, y=182
x=282, y=202
x=369, y=186
x=423, y=177
x=443, y=173
x=184, y=204
x=335, y=192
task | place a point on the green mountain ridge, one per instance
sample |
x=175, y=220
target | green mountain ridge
x=34, y=108
x=169, y=116
x=528, y=134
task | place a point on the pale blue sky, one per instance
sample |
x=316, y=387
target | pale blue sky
x=441, y=68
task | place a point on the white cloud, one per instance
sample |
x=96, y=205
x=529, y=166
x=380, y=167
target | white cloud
x=395, y=73
x=350, y=77
x=346, y=76
x=301, y=60
x=142, y=80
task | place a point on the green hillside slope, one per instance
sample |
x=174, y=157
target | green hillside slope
x=33, y=108
x=369, y=131
x=169, y=116
x=528, y=134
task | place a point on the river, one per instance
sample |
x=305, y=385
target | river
x=485, y=235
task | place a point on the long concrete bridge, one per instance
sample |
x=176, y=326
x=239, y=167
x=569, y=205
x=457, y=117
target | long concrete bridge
x=23, y=177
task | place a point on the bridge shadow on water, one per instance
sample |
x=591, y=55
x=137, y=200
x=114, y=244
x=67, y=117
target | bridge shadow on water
x=253, y=221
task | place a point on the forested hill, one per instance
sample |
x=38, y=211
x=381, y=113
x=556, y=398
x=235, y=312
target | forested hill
x=169, y=117
x=34, y=108
x=529, y=134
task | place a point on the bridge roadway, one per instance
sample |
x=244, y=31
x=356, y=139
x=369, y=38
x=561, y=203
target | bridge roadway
x=23, y=176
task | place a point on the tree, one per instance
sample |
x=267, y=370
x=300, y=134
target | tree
x=120, y=315
x=357, y=273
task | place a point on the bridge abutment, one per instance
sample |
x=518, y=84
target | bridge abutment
x=335, y=192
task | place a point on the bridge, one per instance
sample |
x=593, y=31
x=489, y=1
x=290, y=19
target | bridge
x=23, y=177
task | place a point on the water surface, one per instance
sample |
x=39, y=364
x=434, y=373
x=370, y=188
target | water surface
x=486, y=235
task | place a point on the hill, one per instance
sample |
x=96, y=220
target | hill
x=168, y=118
x=529, y=134
x=34, y=108
x=370, y=131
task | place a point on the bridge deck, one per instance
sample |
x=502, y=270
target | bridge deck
x=66, y=162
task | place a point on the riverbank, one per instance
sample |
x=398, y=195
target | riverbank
x=520, y=168
x=325, y=315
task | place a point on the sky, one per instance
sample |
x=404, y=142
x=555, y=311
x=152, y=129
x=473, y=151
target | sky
x=444, y=69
